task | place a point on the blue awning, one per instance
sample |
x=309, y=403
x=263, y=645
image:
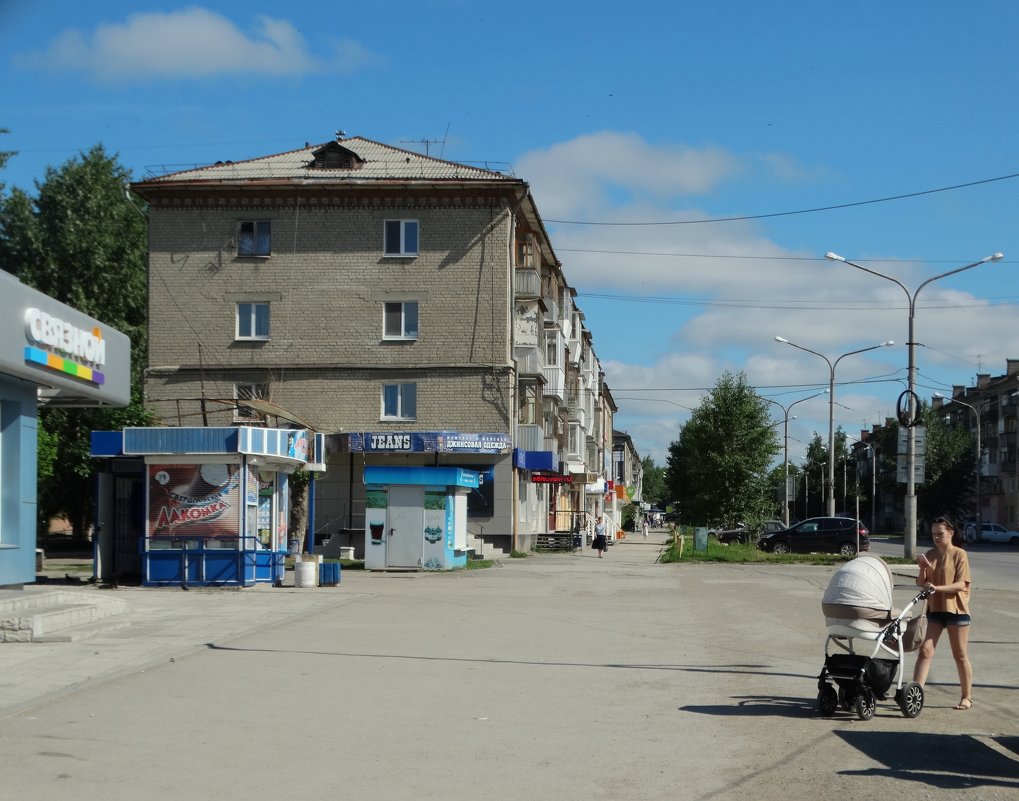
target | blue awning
x=534, y=460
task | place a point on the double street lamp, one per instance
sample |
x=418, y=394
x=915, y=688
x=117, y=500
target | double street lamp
x=786, y=410
x=909, y=416
x=831, y=408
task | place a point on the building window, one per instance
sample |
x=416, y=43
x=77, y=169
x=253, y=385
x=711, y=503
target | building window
x=401, y=238
x=254, y=238
x=399, y=401
x=243, y=392
x=252, y=321
x=400, y=320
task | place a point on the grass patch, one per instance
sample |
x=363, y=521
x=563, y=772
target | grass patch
x=518, y=554
x=743, y=554
x=479, y=564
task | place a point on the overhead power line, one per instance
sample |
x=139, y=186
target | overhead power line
x=814, y=210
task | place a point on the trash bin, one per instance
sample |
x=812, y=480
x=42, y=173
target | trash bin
x=329, y=574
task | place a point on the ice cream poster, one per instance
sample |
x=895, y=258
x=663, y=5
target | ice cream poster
x=199, y=500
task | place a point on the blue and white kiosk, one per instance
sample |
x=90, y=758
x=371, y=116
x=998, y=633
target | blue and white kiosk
x=416, y=517
x=50, y=354
x=201, y=506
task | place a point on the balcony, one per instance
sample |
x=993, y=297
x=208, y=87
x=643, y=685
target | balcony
x=527, y=283
x=555, y=382
x=1006, y=439
x=530, y=438
x=530, y=361
x=551, y=312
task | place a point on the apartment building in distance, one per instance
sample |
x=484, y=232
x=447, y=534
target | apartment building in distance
x=410, y=308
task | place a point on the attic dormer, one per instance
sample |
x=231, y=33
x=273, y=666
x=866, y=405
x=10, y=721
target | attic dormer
x=335, y=156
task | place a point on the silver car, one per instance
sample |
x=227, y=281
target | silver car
x=993, y=532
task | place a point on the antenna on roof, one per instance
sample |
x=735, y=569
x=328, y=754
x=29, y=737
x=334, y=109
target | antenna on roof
x=340, y=133
x=425, y=142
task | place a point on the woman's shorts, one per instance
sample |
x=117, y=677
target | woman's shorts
x=949, y=618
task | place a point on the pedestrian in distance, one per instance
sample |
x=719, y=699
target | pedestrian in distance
x=647, y=525
x=600, y=543
x=944, y=571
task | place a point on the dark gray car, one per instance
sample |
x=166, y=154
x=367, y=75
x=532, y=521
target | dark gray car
x=819, y=535
x=742, y=534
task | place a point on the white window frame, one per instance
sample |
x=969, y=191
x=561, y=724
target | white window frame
x=403, y=252
x=404, y=334
x=255, y=253
x=252, y=315
x=249, y=391
x=402, y=389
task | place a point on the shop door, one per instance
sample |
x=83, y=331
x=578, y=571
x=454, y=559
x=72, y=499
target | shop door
x=406, y=537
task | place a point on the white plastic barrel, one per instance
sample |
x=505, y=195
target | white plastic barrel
x=305, y=574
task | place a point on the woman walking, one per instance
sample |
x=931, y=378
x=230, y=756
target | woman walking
x=600, y=542
x=944, y=570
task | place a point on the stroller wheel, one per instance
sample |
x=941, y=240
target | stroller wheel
x=865, y=704
x=910, y=699
x=827, y=701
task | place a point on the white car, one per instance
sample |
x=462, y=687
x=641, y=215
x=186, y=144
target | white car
x=992, y=532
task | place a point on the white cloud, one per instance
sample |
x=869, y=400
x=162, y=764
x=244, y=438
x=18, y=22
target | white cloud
x=191, y=43
x=580, y=175
x=716, y=295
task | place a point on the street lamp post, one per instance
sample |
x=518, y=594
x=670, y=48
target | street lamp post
x=980, y=458
x=909, y=536
x=831, y=408
x=786, y=410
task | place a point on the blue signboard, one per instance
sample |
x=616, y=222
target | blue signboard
x=428, y=442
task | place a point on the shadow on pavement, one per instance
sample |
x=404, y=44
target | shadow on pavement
x=753, y=669
x=946, y=761
x=759, y=706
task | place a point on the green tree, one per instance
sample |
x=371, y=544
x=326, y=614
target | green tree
x=949, y=467
x=80, y=242
x=718, y=468
x=5, y=156
x=654, y=482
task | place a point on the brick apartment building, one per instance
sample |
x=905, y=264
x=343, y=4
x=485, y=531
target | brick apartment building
x=413, y=309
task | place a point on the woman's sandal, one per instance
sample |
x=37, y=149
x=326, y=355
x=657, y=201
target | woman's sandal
x=965, y=703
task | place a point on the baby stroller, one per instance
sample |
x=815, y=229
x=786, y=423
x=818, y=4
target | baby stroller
x=869, y=639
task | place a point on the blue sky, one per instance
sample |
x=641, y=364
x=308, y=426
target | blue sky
x=675, y=113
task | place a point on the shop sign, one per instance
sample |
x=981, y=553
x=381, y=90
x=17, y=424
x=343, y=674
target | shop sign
x=58, y=345
x=540, y=478
x=429, y=442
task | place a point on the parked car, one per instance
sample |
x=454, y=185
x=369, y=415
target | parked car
x=744, y=533
x=994, y=532
x=819, y=535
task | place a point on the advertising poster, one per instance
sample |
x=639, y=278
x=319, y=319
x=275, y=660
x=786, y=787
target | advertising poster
x=196, y=500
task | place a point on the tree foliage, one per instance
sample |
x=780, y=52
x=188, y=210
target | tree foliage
x=80, y=242
x=654, y=482
x=718, y=468
x=950, y=469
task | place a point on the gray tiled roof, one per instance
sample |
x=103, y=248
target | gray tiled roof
x=381, y=163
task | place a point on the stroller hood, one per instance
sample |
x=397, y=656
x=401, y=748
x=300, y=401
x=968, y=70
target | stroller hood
x=866, y=581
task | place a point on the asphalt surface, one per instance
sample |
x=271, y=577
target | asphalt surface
x=556, y=676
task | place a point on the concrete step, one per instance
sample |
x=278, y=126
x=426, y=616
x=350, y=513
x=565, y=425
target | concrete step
x=56, y=616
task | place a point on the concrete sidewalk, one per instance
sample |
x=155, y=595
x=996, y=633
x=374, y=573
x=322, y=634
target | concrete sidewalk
x=162, y=624
x=556, y=676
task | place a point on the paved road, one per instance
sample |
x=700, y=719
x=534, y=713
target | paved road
x=558, y=676
x=993, y=566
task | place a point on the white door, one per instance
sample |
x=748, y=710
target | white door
x=405, y=536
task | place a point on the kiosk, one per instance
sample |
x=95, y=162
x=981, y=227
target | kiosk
x=416, y=517
x=208, y=506
x=50, y=355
